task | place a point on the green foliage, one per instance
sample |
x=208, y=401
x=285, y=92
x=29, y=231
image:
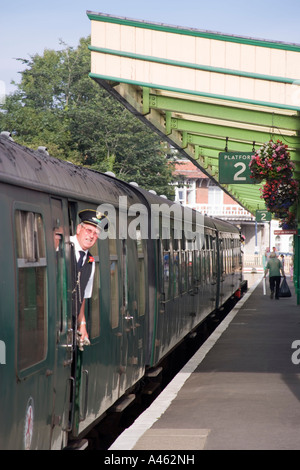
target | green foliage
x=57, y=105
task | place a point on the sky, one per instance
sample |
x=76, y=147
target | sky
x=28, y=27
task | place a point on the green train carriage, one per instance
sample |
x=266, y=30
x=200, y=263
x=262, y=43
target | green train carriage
x=141, y=306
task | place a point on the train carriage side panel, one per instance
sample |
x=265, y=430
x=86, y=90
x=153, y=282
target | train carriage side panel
x=8, y=406
x=149, y=293
x=34, y=178
x=184, y=284
x=29, y=313
x=230, y=262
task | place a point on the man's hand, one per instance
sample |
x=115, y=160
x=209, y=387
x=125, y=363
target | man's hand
x=82, y=336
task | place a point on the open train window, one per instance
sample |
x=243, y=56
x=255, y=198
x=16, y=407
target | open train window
x=32, y=288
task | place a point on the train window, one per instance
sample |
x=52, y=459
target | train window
x=141, y=274
x=199, y=267
x=175, y=244
x=207, y=242
x=166, y=268
x=197, y=262
x=114, y=283
x=226, y=256
x=204, y=262
x=189, y=262
x=175, y=273
x=208, y=258
x=182, y=264
x=183, y=272
x=190, y=269
x=95, y=300
x=221, y=249
x=214, y=258
x=230, y=248
x=32, y=288
x=61, y=277
x=196, y=270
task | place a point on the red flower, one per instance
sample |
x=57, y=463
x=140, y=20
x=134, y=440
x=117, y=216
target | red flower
x=91, y=259
x=270, y=161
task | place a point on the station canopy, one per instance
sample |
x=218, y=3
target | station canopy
x=203, y=92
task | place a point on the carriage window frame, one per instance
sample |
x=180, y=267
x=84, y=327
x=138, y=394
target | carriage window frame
x=141, y=249
x=94, y=301
x=113, y=246
x=166, y=268
x=175, y=261
x=214, y=267
x=183, y=264
x=31, y=307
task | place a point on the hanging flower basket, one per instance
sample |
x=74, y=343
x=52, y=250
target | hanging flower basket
x=289, y=222
x=279, y=196
x=271, y=161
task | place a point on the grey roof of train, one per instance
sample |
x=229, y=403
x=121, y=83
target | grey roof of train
x=38, y=170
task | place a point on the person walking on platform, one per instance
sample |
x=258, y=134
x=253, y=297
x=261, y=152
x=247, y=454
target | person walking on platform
x=274, y=266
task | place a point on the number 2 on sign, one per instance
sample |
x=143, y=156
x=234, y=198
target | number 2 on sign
x=237, y=176
x=263, y=216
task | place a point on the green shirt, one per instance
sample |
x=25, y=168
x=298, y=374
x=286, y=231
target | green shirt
x=274, y=265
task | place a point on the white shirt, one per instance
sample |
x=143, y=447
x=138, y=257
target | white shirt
x=89, y=287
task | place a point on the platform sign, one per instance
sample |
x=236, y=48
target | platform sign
x=285, y=232
x=234, y=168
x=263, y=216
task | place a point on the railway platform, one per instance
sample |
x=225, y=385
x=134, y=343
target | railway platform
x=240, y=391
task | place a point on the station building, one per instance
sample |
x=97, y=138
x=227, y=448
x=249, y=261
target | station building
x=195, y=190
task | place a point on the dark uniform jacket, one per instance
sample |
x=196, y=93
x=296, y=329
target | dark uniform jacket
x=80, y=278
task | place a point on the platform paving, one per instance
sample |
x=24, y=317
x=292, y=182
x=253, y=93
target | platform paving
x=240, y=391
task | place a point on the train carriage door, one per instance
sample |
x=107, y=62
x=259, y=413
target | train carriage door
x=221, y=266
x=127, y=319
x=34, y=330
x=215, y=277
x=133, y=308
x=64, y=333
x=142, y=300
x=209, y=269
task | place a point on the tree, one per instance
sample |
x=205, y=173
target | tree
x=59, y=106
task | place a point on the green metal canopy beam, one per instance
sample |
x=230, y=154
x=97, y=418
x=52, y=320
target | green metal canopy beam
x=269, y=119
x=216, y=145
x=219, y=130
